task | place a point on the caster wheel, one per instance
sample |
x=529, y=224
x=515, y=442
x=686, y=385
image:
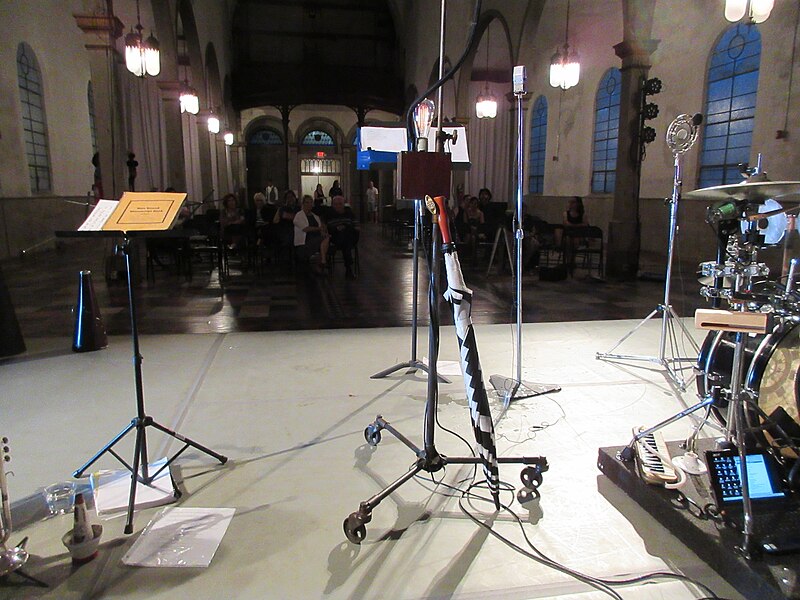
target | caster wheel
x=531, y=477
x=524, y=495
x=354, y=529
x=373, y=435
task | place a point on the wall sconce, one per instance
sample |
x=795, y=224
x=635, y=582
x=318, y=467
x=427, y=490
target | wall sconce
x=142, y=57
x=213, y=122
x=188, y=98
x=756, y=11
x=565, y=68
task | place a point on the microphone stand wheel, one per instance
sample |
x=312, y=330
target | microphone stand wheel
x=531, y=477
x=372, y=434
x=354, y=525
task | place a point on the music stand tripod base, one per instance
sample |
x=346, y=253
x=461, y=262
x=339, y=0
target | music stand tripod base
x=514, y=389
x=411, y=365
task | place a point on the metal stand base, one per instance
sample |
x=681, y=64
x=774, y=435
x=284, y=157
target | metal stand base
x=514, y=389
x=412, y=364
x=670, y=363
x=431, y=461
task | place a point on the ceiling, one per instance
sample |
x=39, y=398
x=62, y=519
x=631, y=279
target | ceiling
x=291, y=52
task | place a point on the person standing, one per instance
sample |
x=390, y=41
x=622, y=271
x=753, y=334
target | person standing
x=271, y=193
x=132, y=164
x=336, y=190
x=372, y=202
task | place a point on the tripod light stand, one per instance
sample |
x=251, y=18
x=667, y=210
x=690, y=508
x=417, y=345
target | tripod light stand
x=681, y=135
x=423, y=117
x=513, y=388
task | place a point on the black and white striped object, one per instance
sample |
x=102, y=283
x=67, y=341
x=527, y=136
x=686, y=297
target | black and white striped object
x=460, y=298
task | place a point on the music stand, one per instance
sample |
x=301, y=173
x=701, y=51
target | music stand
x=142, y=420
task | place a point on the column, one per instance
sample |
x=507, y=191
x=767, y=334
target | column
x=635, y=51
x=101, y=32
x=173, y=135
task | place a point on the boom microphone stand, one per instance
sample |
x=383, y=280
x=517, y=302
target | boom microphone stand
x=681, y=135
x=515, y=388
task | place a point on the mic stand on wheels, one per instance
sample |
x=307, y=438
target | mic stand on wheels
x=139, y=469
x=413, y=363
x=514, y=388
x=681, y=135
x=428, y=457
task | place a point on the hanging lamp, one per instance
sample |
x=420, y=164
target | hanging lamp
x=486, y=103
x=565, y=67
x=142, y=57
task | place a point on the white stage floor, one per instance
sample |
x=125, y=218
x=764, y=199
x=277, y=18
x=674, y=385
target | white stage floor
x=289, y=410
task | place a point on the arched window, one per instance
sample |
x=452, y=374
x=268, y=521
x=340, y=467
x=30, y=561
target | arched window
x=34, y=123
x=317, y=138
x=265, y=137
x=730, y=105
x=92, y=125
x=538, y=143
x=606, y=132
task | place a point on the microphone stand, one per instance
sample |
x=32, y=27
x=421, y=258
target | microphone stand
x=513, y=388
x=679, y=140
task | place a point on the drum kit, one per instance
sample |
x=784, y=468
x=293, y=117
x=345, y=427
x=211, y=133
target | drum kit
x=749, y=376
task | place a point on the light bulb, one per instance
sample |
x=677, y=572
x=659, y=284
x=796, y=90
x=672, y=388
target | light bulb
x=735, y=10
x=213, y=123
x=228, y=137
x=423, y=117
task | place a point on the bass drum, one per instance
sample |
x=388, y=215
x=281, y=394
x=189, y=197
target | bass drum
x=772, y=371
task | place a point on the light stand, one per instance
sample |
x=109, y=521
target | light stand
x=423, y=117
x=514, y=388
x=141, y=421
x=413, y=362
x=681, y=135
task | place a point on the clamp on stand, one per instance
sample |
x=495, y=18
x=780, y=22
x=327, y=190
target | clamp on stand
x=140, y=423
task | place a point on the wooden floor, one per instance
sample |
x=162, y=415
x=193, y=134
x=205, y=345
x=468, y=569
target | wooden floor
x=44, y=288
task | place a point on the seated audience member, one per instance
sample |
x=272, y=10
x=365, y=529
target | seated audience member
x=574, y=218
x=231, y=221
x=343, y=231
x=475, y=230
x=259, y=219
x=283, y=221
x=310, y=237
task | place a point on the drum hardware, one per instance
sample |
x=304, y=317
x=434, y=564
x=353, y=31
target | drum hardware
x=680, y=137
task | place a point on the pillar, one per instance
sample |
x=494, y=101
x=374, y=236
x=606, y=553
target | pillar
x=635, y=51
x=173, y=135
x=100, y=34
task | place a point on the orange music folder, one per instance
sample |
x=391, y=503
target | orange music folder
x=145, y=211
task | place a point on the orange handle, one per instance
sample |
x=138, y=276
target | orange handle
x=444, y=225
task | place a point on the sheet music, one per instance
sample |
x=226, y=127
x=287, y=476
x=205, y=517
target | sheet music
x=98, y=217
x=384, y=139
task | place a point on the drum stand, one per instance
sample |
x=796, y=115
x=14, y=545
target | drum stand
x=413, y=363
x=670, y=362
x=428, y=457
x=141, y=421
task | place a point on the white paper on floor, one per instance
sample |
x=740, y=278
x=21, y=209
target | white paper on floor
x=112, y=490
x=446, y=368
x=180, y=537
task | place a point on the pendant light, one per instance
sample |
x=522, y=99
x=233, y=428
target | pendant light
x=486, y=103
x=756, y=11
x=565, y=68
x=142, y=57
x=213, y=122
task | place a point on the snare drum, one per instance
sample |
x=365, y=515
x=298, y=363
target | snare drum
x=771, y=367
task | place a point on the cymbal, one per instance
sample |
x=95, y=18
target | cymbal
x=756, y=192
